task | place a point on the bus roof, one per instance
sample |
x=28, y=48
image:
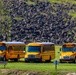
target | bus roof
x=46, y=43
x=14, y=42
x=69, y=43
x=39, y=43
x=43, y=43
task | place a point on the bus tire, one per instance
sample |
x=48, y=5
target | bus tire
x=41, y=60
x=61, y=61
x=18, y=58
x=49, y=60
x=75, y=60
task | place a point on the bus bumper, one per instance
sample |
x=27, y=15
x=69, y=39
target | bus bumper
x=67, y=60
x=32, y=59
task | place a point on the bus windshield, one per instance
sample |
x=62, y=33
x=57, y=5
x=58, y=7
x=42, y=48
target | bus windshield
x=34, y=48
x=2, y=47
x=68, y=49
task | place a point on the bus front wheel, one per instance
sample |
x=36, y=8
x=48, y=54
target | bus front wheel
x=75, y=60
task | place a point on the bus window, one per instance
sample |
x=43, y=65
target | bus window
x=48, y=48
x=34, y=48
x=16, y=47
x=2, y=48
x=10, y=48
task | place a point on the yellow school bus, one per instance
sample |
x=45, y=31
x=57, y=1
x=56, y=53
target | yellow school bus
x=68, y=52
x=12, y=50
x=40, y=51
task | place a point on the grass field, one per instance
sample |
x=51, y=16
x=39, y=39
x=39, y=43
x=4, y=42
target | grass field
x=41, y=66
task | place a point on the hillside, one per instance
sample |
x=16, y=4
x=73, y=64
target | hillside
x=37, y=20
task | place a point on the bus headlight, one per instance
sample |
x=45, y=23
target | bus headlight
x=26, y=56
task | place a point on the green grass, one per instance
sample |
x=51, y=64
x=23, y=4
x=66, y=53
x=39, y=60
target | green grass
x=40, y=66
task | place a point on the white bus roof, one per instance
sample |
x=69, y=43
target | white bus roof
x=46, y=42
x=14, y=42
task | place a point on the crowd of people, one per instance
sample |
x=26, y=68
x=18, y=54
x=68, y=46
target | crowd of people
x=42, y=22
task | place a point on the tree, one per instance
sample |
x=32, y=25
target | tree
x=5, y=22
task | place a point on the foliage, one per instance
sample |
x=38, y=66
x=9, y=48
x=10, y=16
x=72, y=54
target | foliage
x=63, y=1
x=5, y=21
x=30, y=2
x=18, y=18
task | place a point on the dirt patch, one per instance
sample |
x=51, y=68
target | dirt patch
x=25, y=72
x=22, y=72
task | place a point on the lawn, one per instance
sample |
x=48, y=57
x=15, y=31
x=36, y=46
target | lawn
x=40, y=66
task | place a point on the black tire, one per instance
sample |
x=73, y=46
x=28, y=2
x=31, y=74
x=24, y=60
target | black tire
x=18, y=58
x=74, y=60
x=41, y=60
x=15, y=59
x=60, y=61
x=48, y=61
